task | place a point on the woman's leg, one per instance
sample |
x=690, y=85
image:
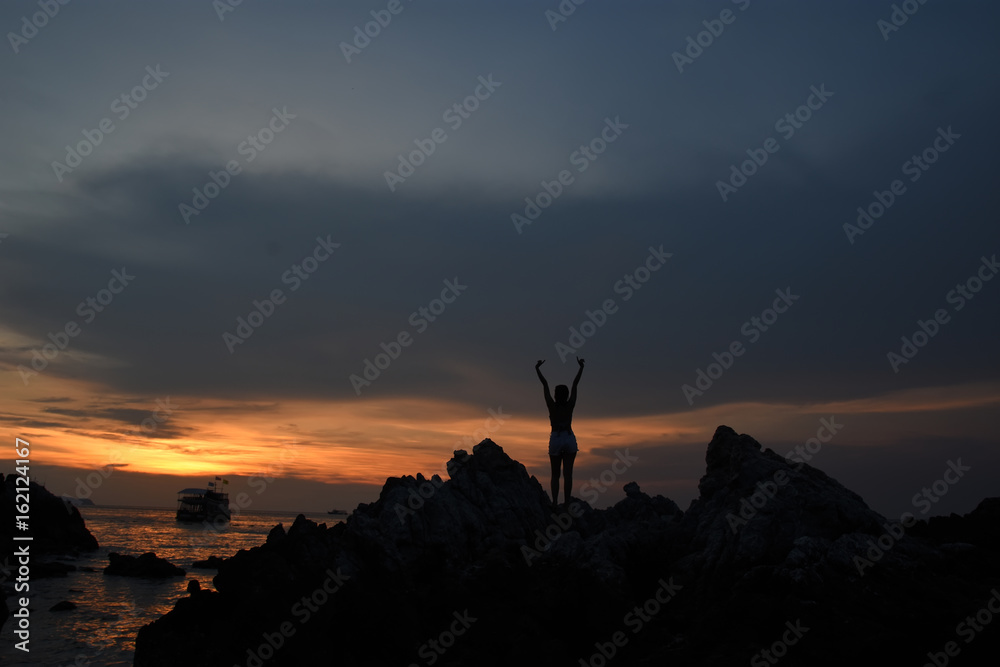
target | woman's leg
x=568, y=471
x=555, y=461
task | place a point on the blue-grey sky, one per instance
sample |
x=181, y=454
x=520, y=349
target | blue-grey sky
x=869, y=99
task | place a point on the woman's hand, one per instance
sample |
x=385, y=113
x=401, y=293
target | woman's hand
x=540, y=362
x=580, y=361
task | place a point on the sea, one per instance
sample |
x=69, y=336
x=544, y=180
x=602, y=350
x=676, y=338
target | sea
x=111, y=609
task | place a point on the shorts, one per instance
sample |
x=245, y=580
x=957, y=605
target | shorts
x=562, y=443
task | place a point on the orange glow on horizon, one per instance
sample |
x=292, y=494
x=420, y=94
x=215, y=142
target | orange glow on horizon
x=366, y=441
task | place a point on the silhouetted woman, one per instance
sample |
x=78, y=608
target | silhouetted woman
x=562, y=442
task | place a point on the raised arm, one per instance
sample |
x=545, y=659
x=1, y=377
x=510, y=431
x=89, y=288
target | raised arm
x=548, y=395
x=576, y=381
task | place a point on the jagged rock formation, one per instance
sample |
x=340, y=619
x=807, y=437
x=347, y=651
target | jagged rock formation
x=147, y=565
x=980, y=527
x=55, y=526
x=481, y=564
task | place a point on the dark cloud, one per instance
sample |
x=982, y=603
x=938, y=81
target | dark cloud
x=26, y=422
x=163, y=333
x=69, y=412
x=655, y=186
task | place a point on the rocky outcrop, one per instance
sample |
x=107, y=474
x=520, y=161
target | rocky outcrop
x=147, y=565
x=979, y=527
x=771, y=551
x=56, y=528
x=210, y=563
x=770, y=538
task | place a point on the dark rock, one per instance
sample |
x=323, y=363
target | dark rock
x=65, y=605
x=146, y=565
x=56, y=526
x=768, y=542
x=276, y=534
x=981, y=526
x=210, y=563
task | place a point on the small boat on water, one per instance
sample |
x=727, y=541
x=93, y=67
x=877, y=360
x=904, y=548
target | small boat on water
x=208, y=504
x=336, y=512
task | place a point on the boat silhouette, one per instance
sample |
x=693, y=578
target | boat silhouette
x=208, y=504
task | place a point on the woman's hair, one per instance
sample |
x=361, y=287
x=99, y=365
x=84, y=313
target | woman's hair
x=562, y=393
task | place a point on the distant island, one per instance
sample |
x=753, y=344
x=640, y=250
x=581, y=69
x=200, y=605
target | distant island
x=774, y=558
x=79, y=502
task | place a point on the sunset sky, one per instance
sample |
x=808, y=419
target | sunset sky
x=477, y=186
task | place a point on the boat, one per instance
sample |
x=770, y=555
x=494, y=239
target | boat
x=206, y=504
x=336, y=512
